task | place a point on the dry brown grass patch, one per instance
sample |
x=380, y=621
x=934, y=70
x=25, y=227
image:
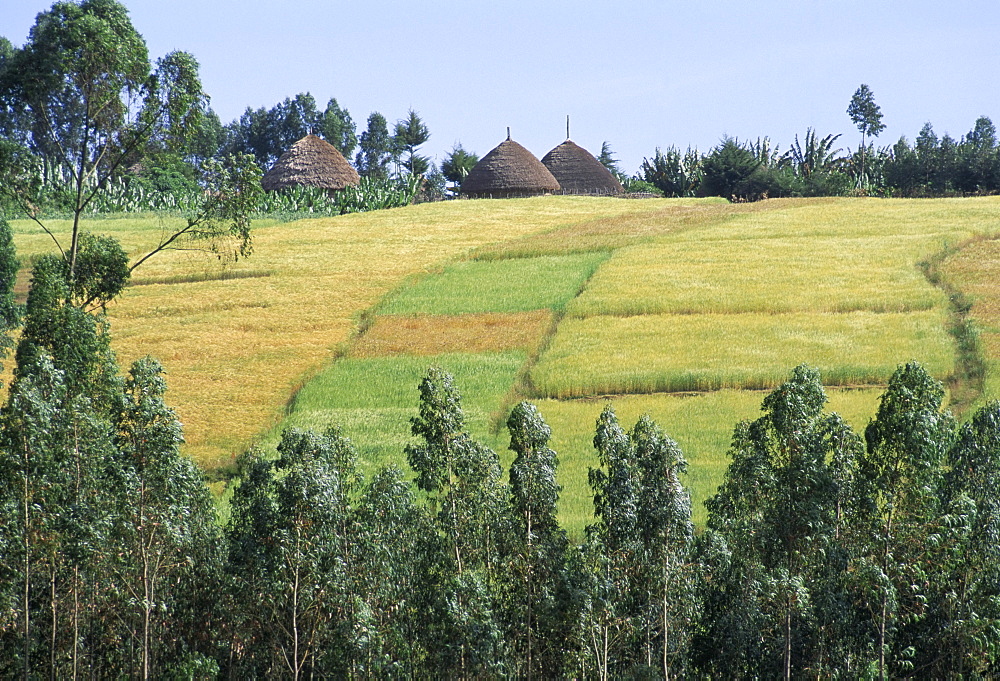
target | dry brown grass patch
x=437, y=334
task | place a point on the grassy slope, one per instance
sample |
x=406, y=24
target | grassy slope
x=975, y=270
x=236, y=350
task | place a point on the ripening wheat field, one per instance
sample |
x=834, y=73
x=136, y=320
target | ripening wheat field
x=683, y=309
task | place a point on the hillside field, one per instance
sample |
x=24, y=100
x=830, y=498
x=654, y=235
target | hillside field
x=684, y=309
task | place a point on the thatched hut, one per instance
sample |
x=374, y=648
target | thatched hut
x=578, y=172
x=311, y=162
x=509, y=171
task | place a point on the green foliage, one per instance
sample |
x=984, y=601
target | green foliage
x=865, y=113
x=867, y=116
x=375, y=148
x=10, y=311
x=778, y=515
x=337, y=128
x=673, y=173
x=541, y=613
x=407, y=135
x=377, y=193
x=92, y=102
x=608, y=160
x=102, y=271
x=515, y=285
x=458, y=164
x=462, y=480
x=734, y=171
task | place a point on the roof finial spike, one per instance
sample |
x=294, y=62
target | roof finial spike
x=508, y=133
x=567, y=127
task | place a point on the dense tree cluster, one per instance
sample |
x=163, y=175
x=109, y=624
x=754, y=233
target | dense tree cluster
x=82, y=109
x=826, y=553
x=750, y=171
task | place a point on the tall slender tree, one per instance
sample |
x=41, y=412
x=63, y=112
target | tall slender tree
x=867, y=116
x=375, y=148
x=538, y=624
x=461, y=478
x=338, y=128
x=901, y=469
x=408, y=134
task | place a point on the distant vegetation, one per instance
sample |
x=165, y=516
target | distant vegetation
x=809, y=551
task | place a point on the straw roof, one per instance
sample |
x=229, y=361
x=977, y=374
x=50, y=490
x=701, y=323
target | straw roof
x=578, y=172
x=311, y=162
x=509, y=170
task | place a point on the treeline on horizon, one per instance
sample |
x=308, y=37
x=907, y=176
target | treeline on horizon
x=387, y=155
x=826, y=553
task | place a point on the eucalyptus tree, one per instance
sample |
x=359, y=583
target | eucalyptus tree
x=286, y=535
x=461, y=479
x=964, y=638
x=395, y=560
x=614, y=549
x=337, y=127
x=93, y=101
x=10, y=311
x=978, y=170
x=53, y=492
x=901, y=472
x=540, y=615
x=778, y=513
x=164, y=513
x=867, y=116
x=667, y=533
x=374, y=148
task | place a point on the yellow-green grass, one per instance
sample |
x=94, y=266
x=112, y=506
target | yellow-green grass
x=975, y=271
x=677, y=353
x=235, y=350
x=701, y=424
x=372, y=399
x=515, y=285
x=437, y=334
x=855, y=218
x=817, y=274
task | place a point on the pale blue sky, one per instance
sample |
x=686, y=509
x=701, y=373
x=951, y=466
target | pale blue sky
x=639, y=74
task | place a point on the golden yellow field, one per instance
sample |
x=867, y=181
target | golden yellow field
x=677, y=353
x=770, y=275
x=695, y=294
x=236, y=350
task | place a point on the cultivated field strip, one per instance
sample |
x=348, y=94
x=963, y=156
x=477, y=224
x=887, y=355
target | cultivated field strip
x=677, y=353
x=372, y=399
x=766, y=275
x=511, y=285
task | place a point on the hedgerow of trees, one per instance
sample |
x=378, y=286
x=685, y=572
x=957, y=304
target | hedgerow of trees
x=815, y=166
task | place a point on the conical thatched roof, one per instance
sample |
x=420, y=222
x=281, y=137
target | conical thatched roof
x=311, y=162
x=578, y=172
x=508, y=171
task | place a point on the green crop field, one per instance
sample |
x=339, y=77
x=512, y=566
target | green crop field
x=671, y=353
x=515, y=285
x=702, y=424
x=334, y=320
